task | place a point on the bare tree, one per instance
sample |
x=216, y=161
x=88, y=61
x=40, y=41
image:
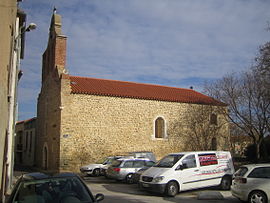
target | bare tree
x=247, y=95
x=203, y=126
x=239, y=141
x=262, y=71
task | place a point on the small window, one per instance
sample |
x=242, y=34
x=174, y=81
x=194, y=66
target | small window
x=159, y=128
x=189, y=161
x=26, y=141
x=214, y=143
x=208, y=159
x=213, y=119
x=262, y=172
x=30, y=142
x=20, y=138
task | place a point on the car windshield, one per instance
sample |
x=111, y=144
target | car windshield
x=169, y=161
x=241, y=171
x=68, y=189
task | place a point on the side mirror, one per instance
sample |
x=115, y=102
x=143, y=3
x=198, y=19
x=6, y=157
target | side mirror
x=99, y=197
x=181, y=167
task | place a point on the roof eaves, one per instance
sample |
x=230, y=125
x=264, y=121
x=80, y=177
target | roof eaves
x=214, y=103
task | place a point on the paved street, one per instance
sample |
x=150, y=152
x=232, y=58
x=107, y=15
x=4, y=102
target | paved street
x=120, y=192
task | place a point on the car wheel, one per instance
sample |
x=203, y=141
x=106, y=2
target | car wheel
x=226, y=183
x=96, y=172
x=172, y=189
x=257, y=197
x=129, y=178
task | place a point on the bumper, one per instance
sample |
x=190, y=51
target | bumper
x=115, y=176
x=158, y=188
x=88, y=172
x=240, y=194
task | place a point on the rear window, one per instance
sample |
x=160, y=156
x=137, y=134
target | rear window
x=241, y=171
x=262, y=172
x=208, y=159
x=116, y=163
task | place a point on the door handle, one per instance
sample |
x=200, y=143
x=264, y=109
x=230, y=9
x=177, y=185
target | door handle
x=196, y=170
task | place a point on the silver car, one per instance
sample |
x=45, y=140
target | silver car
x=97, y=169
x=252, y=183
x=124, y=168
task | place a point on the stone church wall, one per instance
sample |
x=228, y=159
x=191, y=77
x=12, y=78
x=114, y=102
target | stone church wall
x=93, y=127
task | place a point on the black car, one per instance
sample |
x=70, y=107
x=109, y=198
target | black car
x=58, y=188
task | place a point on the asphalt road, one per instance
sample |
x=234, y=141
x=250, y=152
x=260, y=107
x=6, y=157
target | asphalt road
x=121, y=192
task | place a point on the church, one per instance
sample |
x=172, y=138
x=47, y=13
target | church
x=82, y=120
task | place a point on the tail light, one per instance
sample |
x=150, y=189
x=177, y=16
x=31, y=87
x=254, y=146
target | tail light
x=241, y=180
x=116, y=169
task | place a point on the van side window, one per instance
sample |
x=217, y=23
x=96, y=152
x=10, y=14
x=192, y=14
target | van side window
x=208, y=159
x=189, y=161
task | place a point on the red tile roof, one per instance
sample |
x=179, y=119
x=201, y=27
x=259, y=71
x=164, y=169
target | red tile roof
x=102, y=87
x=25, y=121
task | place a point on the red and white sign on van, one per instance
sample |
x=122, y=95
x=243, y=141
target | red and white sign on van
x=208, y=159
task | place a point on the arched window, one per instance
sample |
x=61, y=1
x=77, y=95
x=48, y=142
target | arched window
x=213, y=119
x=214, y=143
x=159, y=128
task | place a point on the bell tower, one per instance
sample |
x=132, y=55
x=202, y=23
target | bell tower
x=49, y=99
x=54, y=58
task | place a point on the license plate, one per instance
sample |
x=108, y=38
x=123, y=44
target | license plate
x=145, y=185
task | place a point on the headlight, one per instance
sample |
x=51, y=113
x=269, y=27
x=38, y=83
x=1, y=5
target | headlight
x=158, y=179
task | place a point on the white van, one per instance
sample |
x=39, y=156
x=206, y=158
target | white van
x=189, y=170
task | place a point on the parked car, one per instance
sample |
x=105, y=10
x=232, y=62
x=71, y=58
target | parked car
x=124, y=168
x=97, y=169
x=252, y=183
x=143, y=154
x=41, y=188
x=189, y=170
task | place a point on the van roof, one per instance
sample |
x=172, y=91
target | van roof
x=199, y=152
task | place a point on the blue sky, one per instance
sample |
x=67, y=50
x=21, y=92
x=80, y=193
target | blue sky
x=178, y=43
